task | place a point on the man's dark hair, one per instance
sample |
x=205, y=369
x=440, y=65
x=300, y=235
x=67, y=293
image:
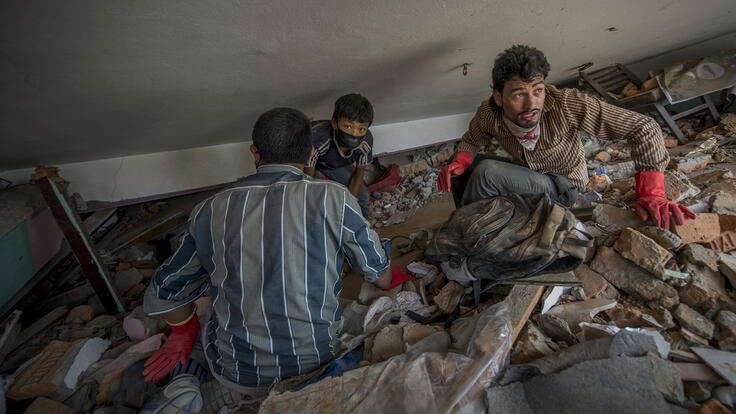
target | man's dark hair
x=283, y=135
x=354, y=107
x=525, y=62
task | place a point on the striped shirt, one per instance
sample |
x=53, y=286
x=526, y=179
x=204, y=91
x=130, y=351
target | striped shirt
x=270, y=250
x=566, y=112
x=327, y=155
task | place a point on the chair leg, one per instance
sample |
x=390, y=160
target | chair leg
x=713, y=110
x=670, y=122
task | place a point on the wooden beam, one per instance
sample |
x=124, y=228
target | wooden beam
x=521, y=302
x=53, y=190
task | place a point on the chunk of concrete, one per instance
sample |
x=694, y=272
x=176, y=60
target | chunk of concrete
x=608, y=215
x=583, y=311
x=693, y=321
x=727, y=266
x=663, y=237
x=631, y=279
x=643, y=251
x=678, y=187
x=723, y=203
x=706, y=289
x=726, y=322
x=593, y=283
x=699, y=255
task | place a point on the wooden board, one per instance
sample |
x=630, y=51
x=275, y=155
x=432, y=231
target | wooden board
x=431, y=215
x=521, y=302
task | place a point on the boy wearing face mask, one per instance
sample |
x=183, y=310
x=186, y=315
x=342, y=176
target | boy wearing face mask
x=343, y=146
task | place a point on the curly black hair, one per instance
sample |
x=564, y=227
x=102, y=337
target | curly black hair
x=354, y=107
x=525, y=62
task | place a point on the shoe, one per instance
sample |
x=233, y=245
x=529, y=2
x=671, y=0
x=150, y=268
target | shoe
x=180, y=396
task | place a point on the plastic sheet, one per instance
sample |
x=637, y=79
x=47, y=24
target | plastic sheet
x=429, y=383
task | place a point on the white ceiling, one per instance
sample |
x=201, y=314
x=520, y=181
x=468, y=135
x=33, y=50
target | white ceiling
x=92, y=79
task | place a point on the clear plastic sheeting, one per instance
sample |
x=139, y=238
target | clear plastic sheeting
x=428, y=383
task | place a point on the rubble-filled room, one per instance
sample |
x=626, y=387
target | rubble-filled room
x=351, y=207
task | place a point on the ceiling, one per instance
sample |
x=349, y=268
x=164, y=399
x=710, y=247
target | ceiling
x=92, y=79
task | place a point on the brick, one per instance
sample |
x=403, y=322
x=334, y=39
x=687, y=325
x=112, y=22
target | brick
x=608, y=215
x=626, y=316
x=593, y=283
x=643, y=251
x=678, y=188
x=663, y=237
x=671, y=143
x=531, y=345
x=602, y=156
x=631, y=279
x=704, y=228
x=46, y=406
x=726, y=241
x=699, y=255
x=713, y=407
x=693, y=321
x=38, y=378
x=82, y=312
x=691, y=163
x=583, y=311
x=414, y=167
x=599, y=183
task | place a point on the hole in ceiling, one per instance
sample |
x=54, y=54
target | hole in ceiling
x=612, y=29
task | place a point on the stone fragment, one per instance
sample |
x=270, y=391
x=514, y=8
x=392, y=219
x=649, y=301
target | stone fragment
x=388, y=342
x=599, y=183
x=704, y=228
x=678, y=187
x=711, y=177
x=82, y=312
x=692, y=339
x=663, y=237
x=643, y=251
x=602, y=156
x=107, y=375
x=38, y=378
x=723, y=203
x=663, y=317
x=608, y=215
x=593, y=283
x=693, y=321
x=532, y=344
x=726, y=322
x=671, y=143
x=102, y=322
x=556, y=328
x=699, y=255
x=705, y=290
x=89, y=353
x=690, y=163
x=626, y=316
x=696, y=390
x=449, y=296
x=415, y=332
x=713, y=407
x=631, y=279
x=126, y=279
x=413, y=168
x=140, y=326
x=47, y=406
x=583, y=311
x=727, y=266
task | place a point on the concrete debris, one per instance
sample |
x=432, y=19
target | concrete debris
x=699, y=255
x=611, y=216
x=449, y=297
x=726, y=322
x=663, y=237
x=643, y=251
x=723, y=203
x=693, y=321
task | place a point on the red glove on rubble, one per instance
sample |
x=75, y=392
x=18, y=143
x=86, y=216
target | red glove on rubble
x=650, y=201
x=459, y=164
x=398, y=276
x=176, y=349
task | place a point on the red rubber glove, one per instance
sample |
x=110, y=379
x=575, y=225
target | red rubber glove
x=176, y=349
x=398, y=276
x=459, y=164
x=650, y=201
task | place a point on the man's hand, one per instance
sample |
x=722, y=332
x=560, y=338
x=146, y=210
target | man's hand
x=176, y=349
x=459, y=164
x=398, y=276
x=650, y=201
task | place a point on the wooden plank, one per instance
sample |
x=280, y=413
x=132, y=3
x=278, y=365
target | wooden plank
x=521, y=302
x=53, y=190
x=431, y=215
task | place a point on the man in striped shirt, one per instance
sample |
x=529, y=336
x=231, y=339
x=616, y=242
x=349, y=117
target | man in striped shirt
x=270, y=250
x=540, y=126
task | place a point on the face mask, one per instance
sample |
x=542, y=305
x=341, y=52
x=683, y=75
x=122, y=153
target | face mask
x=350, y=142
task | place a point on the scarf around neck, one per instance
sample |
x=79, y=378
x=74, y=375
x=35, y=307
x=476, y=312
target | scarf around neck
x=527, y=137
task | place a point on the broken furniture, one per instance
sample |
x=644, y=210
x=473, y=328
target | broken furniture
x=610, y=81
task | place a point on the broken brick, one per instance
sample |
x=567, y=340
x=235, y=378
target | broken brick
x=723, y=203
x=593, y=283
x=726, y=240
x=691, y=163
x=697, y=254
x=38, y=378
x=82, y=312
x=713, y=407
x=663, y=237
x=631, y=279
x=599, y=183
x=705, y=290
x=643, y=251
x=626, y=316
x=678, y=188
x=704, y=228
x=693, y=321
x=531, y=345
x=414, y=167
x=602, y=156
x=671, y=143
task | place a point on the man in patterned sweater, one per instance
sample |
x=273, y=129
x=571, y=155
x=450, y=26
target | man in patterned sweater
x=540, y=126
